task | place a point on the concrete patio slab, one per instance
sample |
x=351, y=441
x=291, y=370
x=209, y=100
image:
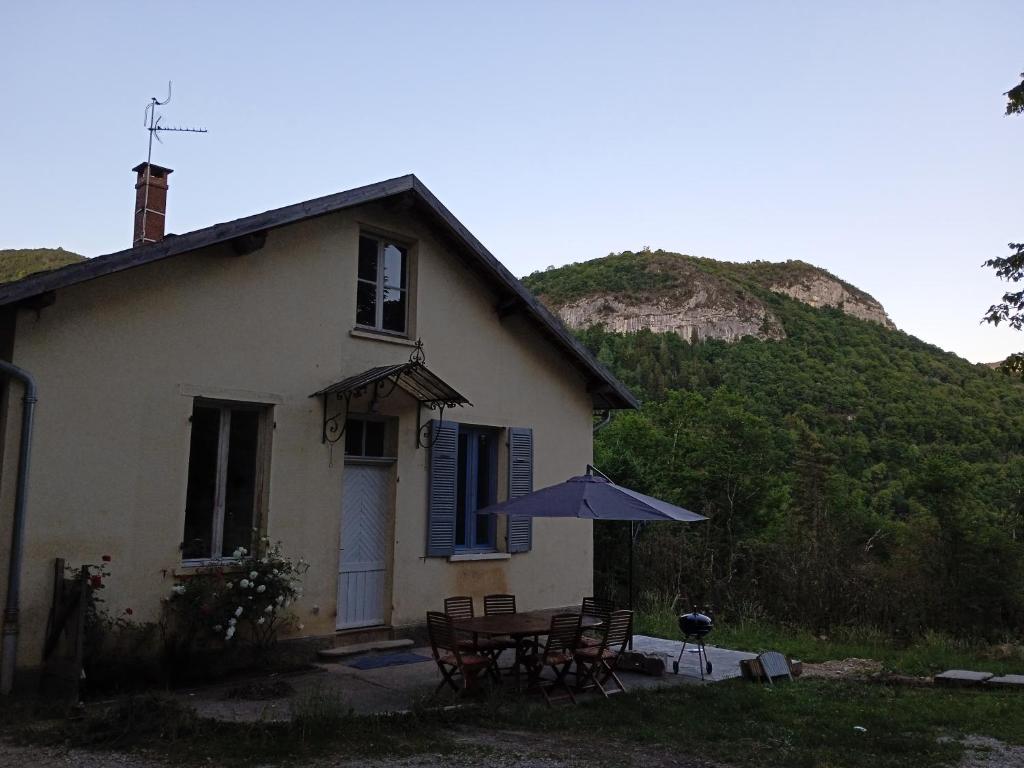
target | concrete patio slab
x=725, y=663
x=400, y=688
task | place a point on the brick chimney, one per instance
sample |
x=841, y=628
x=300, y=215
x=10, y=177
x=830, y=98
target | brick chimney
x=150, y=203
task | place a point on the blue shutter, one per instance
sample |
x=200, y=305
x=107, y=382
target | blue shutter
x=442, y=488
x=520, y=483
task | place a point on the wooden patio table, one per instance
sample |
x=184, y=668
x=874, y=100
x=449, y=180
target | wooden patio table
x=518, y=626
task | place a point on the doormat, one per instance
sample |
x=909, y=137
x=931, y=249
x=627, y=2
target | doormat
x=387, y=660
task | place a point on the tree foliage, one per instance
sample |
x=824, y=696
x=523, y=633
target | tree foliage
x=850, y=473
x=1010, y=268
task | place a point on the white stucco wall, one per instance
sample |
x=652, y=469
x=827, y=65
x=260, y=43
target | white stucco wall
x=118, y=360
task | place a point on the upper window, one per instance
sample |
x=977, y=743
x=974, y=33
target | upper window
x=382, y=285
x=477, y=487
x=223, y=473
x=367, y=438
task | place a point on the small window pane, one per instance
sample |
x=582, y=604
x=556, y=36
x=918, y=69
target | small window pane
x=394, y=266
x=374, y=438
x=367, y=259
x=366, y=304
x=354, y=437
x=394, y=310
x=483, y=489
x=240, y=492
x=202, y=483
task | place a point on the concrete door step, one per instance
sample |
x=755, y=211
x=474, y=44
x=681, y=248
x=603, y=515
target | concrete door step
x=346, y=651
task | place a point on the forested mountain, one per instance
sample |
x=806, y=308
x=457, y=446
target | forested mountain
x=852, y=473
x=16, y=263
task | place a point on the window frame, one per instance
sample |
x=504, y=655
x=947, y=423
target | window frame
x=261, y=474
x=389, y=425
x=472, y=464
x=384, y=240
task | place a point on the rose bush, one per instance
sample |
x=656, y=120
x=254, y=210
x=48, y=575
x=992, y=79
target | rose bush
x=247, y=598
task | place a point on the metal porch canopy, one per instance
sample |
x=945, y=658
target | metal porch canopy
x=425, y=386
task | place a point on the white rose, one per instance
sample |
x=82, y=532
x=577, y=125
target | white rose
x=238, y=611
x=268, y=609
x=237, y=553
x=243, y=551
x=229, y=585
x=261, y=588
x=230, y=633
x=244, y=583
x=178, y=589
x=253, y=574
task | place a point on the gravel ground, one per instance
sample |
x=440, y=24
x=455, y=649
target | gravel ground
x=484, y=749
x=984, y=752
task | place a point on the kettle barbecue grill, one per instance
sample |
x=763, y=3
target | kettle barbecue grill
x=695, y=626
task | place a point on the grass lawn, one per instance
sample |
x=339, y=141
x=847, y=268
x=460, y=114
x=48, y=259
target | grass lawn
x=807, y=723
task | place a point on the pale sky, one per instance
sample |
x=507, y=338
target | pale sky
x=865, y=137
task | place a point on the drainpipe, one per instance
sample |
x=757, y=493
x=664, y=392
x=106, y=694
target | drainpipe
x=10, y=629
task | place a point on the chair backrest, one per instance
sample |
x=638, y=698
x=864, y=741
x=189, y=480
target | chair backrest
x=774, y=664
x=597, y=607
x=460, y=607
x=441, y=633
x=564, y=633
x=498, y=604
x=619, y=630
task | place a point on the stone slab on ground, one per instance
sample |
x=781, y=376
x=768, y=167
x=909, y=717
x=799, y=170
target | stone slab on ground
x=724, y=662
x=961, y=678
x=345, y=651
x=1015, y=682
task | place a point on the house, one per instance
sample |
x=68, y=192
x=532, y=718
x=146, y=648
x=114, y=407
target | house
x=352, y=375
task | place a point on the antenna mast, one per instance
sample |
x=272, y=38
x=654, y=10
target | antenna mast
x=151, y=121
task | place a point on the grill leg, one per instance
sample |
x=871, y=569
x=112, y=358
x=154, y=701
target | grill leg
x=675, y=665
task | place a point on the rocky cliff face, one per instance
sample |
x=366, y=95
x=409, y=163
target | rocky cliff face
x=695, y=317
x=698, y=299
x=826, y=291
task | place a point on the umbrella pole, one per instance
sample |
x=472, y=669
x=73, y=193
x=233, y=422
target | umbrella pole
x=631, y=537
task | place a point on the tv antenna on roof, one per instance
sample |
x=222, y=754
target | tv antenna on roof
x=152, y=122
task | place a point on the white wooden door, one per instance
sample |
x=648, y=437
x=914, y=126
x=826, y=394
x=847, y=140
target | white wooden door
x=362, y=563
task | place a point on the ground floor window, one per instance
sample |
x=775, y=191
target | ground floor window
x=225, y=473
x=477, y=488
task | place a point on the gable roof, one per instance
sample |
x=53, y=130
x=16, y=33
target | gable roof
x=606, y=390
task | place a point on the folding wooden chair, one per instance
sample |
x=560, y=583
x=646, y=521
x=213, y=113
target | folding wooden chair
x=595, y=664
x=461, y=607
x=557, y=653
x=499, y=604
x=459, y=668
x=597, y=608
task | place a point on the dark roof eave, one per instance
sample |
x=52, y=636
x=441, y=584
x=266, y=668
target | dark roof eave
x=615, y=396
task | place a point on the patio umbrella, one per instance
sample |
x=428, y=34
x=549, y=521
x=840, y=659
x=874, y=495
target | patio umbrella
x=594, y=496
